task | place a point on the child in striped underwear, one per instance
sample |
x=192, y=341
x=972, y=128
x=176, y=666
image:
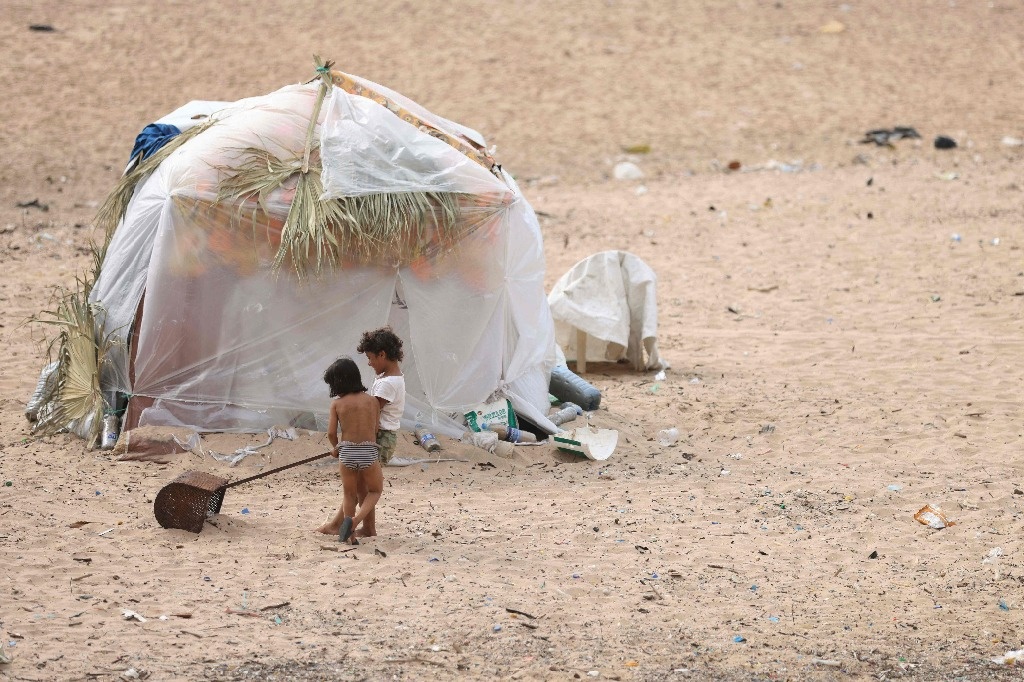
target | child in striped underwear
x=356, y=414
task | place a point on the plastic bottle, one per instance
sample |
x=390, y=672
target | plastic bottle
x=111, y=430
x=568, y=412
x=512, y=434
x=427, y=440
x=568, y=386
x=668, y=436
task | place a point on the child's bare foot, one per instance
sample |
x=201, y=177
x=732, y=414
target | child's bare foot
x=329, y=528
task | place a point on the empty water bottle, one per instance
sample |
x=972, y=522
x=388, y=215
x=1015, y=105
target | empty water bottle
x=111, y=430
x=568, y=412
x=567, y=385
x=427, y=440
x=668, y=436
x=512, y=434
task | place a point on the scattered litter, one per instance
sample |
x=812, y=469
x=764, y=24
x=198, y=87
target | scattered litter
x=945, y=142
x=668, y=436
x=637, y=149
x=933, y=517
x=592, y=443
x=723, y=472
x=406, y=462
x=884, y=137
x=131, y=615
x=995, y=241
x=773, y=619
x=188, y=444
x=33, y=204
x=660, y=376
x=832, y=27
x=739, y=639
x=566, y=413
x=497, y=627
x=767, y=428
x=873, y=555
x=956, y=237
x=695, y=380
x=245, y=510
x=895, y=487
x=1010, y=657
x=826, y=662
x=1003, y=606
x=993, y=554
x=41, y=28
x=626, y=170
x=241, y=453
x=1012, y=141
x=949, y=176
x=130, y=674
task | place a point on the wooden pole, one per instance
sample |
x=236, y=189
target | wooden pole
x=581, y=351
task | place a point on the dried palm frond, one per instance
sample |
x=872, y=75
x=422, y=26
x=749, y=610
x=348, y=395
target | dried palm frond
x=74, y=396
x=387, y=228
x=113, y=209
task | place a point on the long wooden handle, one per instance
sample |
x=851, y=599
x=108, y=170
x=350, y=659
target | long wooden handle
x=274, y=471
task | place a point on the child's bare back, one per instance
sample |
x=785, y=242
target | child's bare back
x=357, y=415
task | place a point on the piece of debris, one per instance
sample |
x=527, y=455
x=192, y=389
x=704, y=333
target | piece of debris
x=944, y=142
x=41, y=28
x=884, y=137
x=33, y=204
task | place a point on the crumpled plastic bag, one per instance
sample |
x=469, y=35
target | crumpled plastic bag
x=1010, y=658
x=485, y=440
x=933, y=517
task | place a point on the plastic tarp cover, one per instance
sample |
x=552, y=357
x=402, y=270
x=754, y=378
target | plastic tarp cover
x=225, y=343
x=611, y=296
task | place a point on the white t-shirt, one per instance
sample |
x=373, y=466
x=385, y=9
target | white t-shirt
x=391, y=389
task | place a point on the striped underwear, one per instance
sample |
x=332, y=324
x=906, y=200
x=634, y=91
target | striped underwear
x=357, y=456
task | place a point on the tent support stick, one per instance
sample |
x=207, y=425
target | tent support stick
x=581, y=351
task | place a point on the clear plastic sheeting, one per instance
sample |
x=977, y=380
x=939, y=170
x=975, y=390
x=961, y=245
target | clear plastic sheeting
x=224, y=343
x=368, y=150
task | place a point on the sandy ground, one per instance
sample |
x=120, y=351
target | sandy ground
x=839, y=360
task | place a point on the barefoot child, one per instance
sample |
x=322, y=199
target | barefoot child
x=355, y=414
x=383, y=350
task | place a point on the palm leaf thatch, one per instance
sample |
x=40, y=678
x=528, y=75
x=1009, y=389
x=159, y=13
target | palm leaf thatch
x=317, y=235
x=113, y=209
x=74, y=395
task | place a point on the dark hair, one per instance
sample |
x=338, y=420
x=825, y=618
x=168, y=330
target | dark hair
x=343, y=378
x=382, y=340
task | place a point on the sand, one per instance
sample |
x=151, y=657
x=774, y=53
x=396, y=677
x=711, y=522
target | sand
x=839, y=358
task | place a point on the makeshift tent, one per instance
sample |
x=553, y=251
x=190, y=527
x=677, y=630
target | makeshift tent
x=259, y=244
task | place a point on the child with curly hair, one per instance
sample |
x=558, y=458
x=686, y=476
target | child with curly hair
x=383, y=351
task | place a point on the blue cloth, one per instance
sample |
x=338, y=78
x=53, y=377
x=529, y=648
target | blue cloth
x=152, y=137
